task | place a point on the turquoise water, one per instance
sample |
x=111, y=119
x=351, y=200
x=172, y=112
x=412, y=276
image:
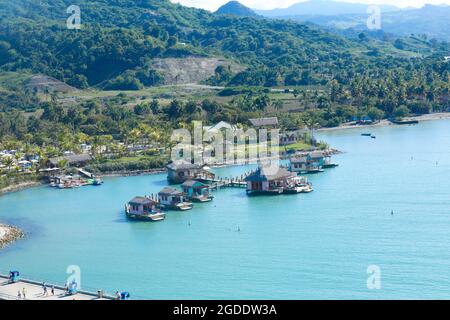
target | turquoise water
x=316, y=245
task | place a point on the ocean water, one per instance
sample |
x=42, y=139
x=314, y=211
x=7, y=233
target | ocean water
x=307, y=246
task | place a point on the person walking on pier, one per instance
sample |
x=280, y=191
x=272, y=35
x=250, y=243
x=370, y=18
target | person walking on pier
x=44, y=287
x=24, y=293
x=19, y=295
x=53, y=290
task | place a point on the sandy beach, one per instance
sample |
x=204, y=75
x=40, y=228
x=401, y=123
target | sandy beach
x=424, y=117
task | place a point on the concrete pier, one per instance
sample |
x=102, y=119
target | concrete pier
x=34, y=291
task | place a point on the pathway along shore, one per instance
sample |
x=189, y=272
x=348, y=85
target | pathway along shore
x=34, y=291
x=9, y=234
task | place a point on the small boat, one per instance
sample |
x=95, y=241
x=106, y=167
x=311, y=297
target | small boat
x=202, y=198
x=311, y=171
x=97, y=182
x=300, y=185
x=366, y=134
x=373, y=137
x=328, y=164
x=143, y=209
x=402, y=122
x=183, y=206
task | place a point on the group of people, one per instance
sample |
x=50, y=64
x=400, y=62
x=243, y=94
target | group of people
x=45, y=289
x=22, y=294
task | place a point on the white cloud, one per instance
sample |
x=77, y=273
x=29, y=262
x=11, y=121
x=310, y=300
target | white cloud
x=212, y=5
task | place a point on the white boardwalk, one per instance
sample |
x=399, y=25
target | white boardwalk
x=34, y=291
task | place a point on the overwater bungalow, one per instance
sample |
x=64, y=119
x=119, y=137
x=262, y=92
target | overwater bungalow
x=197, y=191
x=303, y=165
x=145, y=209
x=180, y=171
x=170, y=198
x=265, y=182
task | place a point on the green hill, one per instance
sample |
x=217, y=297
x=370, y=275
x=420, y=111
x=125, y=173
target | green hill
x=119, y=40
x=237, y=9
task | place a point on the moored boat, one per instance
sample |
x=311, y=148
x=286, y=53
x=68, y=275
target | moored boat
x=97, y=182
x=405, y=121
x=298, y=185
x=327, y=163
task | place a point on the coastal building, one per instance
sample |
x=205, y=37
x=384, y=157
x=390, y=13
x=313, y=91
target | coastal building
x=25, y=164
x=264, y=181
x=267, y=123
x=197, y=191
x=179, y=171
x=222, y=125
x=291, y=137
x=309, y=163
x=143, y=208
x=316, y=158
x=73, y=160
x=170, y=198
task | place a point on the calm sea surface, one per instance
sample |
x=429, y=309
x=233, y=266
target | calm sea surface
x=316, y=245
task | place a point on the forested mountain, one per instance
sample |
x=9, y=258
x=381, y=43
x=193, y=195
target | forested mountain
x=322, y=8
x=430, y=20
x=237, y=9
x=120, y=38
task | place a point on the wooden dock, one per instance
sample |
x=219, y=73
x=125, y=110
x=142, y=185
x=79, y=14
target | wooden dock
x=218, y=183
x=34, y=291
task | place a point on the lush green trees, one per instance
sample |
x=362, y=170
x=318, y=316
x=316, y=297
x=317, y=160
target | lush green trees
x=375, y=113
x=401, y=112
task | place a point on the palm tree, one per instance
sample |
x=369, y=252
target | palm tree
x=8, y=162
x=311, y=121
x=62, y=163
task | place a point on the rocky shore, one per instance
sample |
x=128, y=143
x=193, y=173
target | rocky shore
x=9, y=234
x=19, y=186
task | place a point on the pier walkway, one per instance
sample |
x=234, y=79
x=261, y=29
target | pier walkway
x=34, y=291
x=85, y=173
x=218, y=183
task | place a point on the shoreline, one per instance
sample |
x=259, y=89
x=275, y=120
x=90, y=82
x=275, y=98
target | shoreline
x=19, y=187
x=344, y=126
x=9, y=234
x=385, y=122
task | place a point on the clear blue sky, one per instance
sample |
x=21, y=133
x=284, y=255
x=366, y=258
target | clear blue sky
x=271, y=4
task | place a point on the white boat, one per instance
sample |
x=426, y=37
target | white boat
x=300, y=185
